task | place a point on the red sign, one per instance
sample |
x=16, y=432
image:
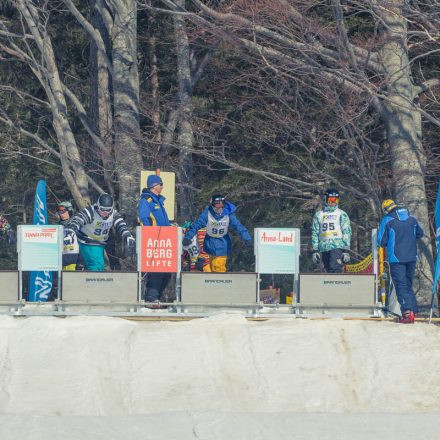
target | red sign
x=159, y=249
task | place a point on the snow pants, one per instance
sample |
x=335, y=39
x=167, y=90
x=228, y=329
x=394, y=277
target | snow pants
x=156, y=283
x=93, y=257
x=217, y=263
x=332, y=260
x=402, y=275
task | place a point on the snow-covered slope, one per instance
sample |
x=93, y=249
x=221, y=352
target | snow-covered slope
x=221, y=377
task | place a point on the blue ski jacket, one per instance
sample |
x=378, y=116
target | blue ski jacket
x=151, y=210
x=215, y=245
x=398, y=232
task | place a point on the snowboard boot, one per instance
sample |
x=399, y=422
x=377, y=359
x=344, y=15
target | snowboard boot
x=407, y=317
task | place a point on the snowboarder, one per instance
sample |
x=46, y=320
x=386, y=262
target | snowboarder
x=398, y=233
x=92, y=226
x=194, y=258
x=71, y=247
x=217, y=219
x=331, y=234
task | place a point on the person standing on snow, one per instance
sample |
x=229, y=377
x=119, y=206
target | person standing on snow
x=331, y=234
x=217, y=219
x=92, y=226
x=71, y=247
x=151, y=212
x=398, y=233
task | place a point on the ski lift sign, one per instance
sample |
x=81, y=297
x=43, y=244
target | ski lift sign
x=277, y=250
x=160, y=248
x=40, y=247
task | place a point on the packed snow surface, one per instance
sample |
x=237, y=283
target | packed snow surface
x=217, y=378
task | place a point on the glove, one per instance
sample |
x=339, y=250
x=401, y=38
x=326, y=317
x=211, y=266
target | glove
x=186, y=241
x=199, y=264
x=68, y=240
x=131, y=242
x=345, y=257
x=316, y=257
x=69, y=236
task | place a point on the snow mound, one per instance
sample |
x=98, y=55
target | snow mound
x=113, y=369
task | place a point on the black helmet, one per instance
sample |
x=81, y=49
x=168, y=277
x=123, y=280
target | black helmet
x=217, y=198
x=332, y=196
x=105, y=203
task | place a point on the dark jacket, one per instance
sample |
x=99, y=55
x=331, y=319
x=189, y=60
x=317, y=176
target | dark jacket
x=398, y=232
x=151, y=210
x=214, y=245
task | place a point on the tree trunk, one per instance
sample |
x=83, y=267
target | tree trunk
x=50, y=79
x=185, y=136
x=100, y=96
x=154, y=81
x=126, y=105
x=404, y=128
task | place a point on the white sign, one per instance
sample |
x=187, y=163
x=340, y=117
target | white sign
x=277, y=250
x=38, y=235
x=40, y=247
x=277, y=237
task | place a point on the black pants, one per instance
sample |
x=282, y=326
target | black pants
x=332, y=260
x=156, y=283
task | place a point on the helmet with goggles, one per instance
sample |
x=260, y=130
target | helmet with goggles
x=388, y=205
x=65, y=206
x=217, y=198
x=332, y=197
x=105, y=203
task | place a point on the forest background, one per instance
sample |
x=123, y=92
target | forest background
x=267, y=101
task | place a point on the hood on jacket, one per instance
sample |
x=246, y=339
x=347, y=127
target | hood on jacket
x=400, y=214
x=228, y=209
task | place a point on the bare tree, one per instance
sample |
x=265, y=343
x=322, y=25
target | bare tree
x=34, y=49
x=312, y=47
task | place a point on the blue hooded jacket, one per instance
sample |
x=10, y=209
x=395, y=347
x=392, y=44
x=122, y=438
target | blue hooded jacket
x=398, y=232
x=151, y=210
x=215, y=245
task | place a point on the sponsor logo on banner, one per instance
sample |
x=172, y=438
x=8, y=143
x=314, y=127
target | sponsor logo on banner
x=40, y=235
x=99, y=280
x=159, y=249
x=281, y=238
x=336, y=283
x=218, y=281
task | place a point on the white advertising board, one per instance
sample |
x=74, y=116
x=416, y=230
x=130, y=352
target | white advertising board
x=277, y=250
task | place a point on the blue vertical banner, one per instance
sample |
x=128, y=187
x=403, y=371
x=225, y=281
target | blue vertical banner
x=437, y=240
x=40, y=283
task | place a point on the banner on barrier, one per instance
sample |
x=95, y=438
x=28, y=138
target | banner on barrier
x=39, y=247
x=219, y=288
x=100, y=286
x=9, y=283
x=160, y=248
x=277, y=250
x=337, y=289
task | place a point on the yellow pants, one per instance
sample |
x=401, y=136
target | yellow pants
x=70, y=267
x=217, y=263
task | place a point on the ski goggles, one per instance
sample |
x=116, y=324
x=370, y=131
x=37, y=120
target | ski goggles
x=105, y=210
x=333, y=200
x=61, y=210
